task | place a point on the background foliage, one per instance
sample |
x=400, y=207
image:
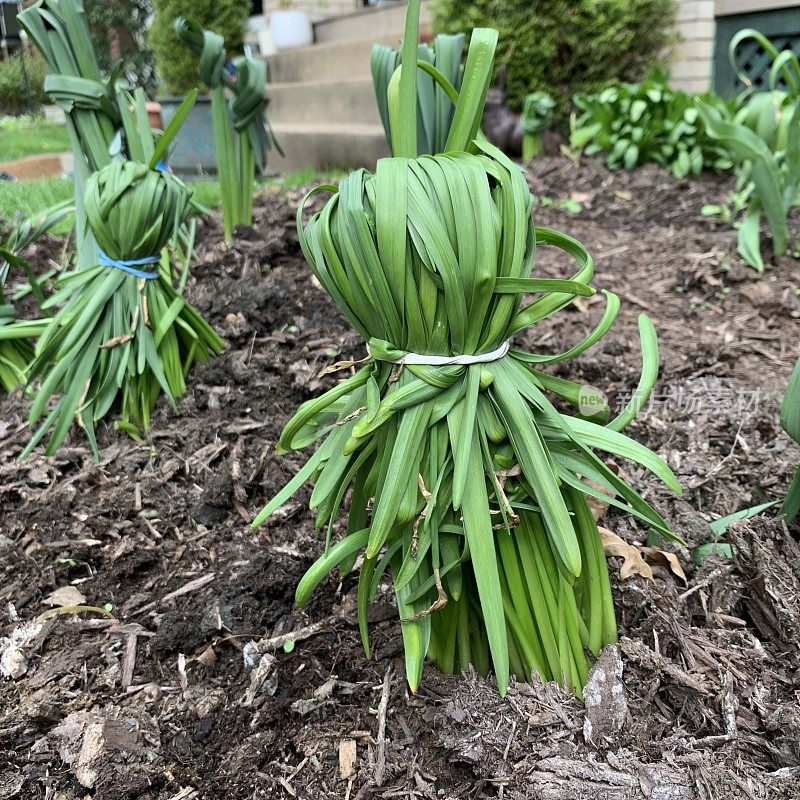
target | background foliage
x=564, y=48
x=126, y=22
x=636, y=123
x=21, y=83
x=177, y=65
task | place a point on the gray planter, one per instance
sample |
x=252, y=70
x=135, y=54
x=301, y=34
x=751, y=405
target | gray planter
x=193, y=151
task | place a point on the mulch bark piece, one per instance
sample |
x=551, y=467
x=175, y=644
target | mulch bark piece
x=188, y=692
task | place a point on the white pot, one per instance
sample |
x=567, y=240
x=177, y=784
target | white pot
x=266, y=46
x=290, y=29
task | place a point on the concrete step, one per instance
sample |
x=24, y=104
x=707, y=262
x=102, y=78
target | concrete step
x=371, y=22
x=329, y=102
x=328, y=62
x=322, y=146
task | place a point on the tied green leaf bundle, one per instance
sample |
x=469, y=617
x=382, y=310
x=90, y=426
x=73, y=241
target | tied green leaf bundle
x=16, y=352
x=59, y=30
x=122, y=333
x=465, y=480
x=640, y=123
x=434, y=107
x=790, y=419
x=241, y=132
x=537, y=115
x=763, y=141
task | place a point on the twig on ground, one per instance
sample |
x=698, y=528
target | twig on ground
x=380, y=760
x=710, y=578
x=510, y=739
x=129, y=662
x=185, y=794
x=276, y=642
x=641, y=653
x=192, y=586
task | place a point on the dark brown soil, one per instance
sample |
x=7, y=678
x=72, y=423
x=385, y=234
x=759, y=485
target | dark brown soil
x=184, y=695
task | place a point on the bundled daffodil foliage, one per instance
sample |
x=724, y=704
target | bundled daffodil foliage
x=242, y=134
x=434, y=107
x=122, y=334
x=59, y=30
x=537, y=114
x=465, y=480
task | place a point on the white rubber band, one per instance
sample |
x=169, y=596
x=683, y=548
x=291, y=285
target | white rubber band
x=446, y=361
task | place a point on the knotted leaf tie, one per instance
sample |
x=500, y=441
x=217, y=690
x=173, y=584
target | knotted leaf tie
x=129, y=265
x=383, y=351
x=245, y=78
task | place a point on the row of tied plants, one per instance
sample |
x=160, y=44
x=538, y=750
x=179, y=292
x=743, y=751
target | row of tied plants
x=466, y=479
x=114, y=330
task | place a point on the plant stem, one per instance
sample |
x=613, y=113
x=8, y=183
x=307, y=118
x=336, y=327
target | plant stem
x=226, y=162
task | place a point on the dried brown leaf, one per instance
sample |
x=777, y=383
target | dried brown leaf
x=662, y=558
x=632, y=561
x=65, y=596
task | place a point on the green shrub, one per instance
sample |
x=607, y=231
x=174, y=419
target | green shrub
x=119, y=32
x=21, y=83
x=176, y=65
x=565, y=48
x=639, y=123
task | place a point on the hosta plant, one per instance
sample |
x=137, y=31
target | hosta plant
x=434, y=107
x=638, y=123
x=465, y=481
x=242, y=135
x=763, y=141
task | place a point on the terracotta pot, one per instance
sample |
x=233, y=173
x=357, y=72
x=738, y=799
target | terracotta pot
x=154, y=114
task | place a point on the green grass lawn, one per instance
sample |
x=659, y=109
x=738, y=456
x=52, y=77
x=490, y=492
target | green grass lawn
x=26, y=198
x=30, y=137
x=21, y=199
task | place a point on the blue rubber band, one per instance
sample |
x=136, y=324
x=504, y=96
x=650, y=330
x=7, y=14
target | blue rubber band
x=162, y=166
x=130, y=266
